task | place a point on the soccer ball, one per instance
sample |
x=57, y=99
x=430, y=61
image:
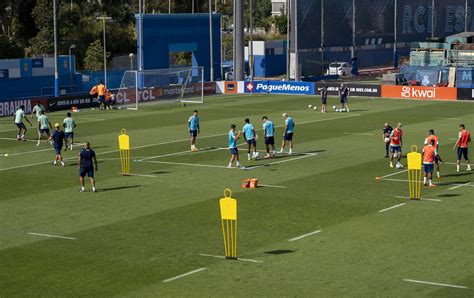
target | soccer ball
x=399, y=166
x=387, y=140
x=310, y=106
x=334, y=107
x=338, y=110
x=315, y=108
x=257, y=155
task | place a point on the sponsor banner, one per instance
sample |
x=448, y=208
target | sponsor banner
x=280, y=87
x=127, y=96
x=230, y=87
x=4, y=74
x=366, y=90
x=37, y=63
x=417, y=92
x=80, y=101
x=8, y=108
x=465, y=94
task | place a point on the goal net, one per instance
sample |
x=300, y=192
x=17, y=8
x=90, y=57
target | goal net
x=160, y=85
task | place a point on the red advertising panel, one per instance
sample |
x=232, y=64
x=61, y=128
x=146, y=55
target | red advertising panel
x=416, y=92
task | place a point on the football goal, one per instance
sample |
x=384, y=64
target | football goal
x=160, y=85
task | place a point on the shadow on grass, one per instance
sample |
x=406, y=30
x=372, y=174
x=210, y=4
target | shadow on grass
x=159, y=172
x=118, y=188
x=449, y=195
x=279, y=252
x=459, y=174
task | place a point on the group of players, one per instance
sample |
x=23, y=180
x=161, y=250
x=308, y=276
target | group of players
x=59, y=139
x=393, y=138
x=250, y=136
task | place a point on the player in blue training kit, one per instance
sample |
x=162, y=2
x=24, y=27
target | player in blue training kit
x=58, y=138
x=269, y=132
x=288, y=135
x=233, y=137
x=251, y=138
x=194, y=130
x=85, y=160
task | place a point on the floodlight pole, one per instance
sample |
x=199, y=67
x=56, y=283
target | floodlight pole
x=395, y=37
x=465, y=16
x=297, y=60
x=251, y=40
x=322, y=37
x=104, y=18
x=56, y=74
x=140, y=35
x=288, y=57
x=432, y=18
x=210, y=42
x=73, y=46
x=353, y=28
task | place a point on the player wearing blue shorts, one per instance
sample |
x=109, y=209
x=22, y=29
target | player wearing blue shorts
x=58, y=138
x=251, y=138
x=18, y=118
x=193, y=128
x=344, y=96
x=69, y=124
x=87, y=162
x=269, y=131
x=288, y=135
x=43, y=127
x=233, y=137
x=324, y=98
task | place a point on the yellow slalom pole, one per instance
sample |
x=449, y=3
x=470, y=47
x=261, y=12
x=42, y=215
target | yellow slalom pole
x=124, y=147
x=228, y=208
x=414, y=173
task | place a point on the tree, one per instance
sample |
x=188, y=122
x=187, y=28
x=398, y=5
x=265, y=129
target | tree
x=94, y=59
x=42, y=43
x=281, y=23
x=9, y=50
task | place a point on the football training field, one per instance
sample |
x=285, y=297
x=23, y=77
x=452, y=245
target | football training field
x=321, y=224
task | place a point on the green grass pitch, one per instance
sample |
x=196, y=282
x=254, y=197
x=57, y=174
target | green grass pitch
x=145, y=235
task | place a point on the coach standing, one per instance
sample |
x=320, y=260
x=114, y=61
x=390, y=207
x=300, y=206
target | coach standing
x=86, y=157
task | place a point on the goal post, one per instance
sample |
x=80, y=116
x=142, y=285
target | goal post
x=161, y=85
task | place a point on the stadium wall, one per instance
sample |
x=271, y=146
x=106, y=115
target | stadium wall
x=374, y=25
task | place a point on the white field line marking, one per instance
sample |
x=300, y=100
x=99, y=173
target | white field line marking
x=186, y=152
x=51, y=236
x=292, y=159
x=305, y=235
x=393, y=174
x=393, y=207
x=272, y=186
x=453, y=163
x=32, y=151
x=78, y=122
x=169, y=142
x=457, y=119
x=401, y=180
x=14, y=139
x=422, y=199
x=459, y=185
x=184, y=274
x=9, y=130
x=238, y=259
x=435, y=284
x=358, y=133
x=139, y=175
x=188, y=164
